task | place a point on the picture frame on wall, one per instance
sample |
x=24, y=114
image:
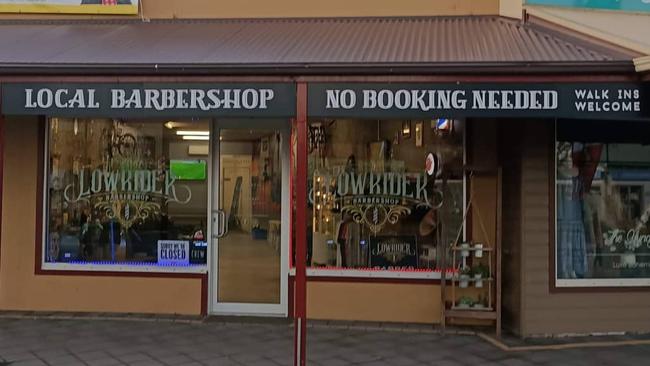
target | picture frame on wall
x=264, y=148
x=418, y=133
x=406, y=129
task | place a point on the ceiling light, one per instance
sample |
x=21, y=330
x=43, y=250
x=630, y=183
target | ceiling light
x=192, y=133
x=196, y=138
x=169, y=124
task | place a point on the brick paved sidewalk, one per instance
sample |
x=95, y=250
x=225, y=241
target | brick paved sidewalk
x=110, y=342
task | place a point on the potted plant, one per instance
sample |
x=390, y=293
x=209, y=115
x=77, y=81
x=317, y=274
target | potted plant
x=480, y=272
x=465, y=302
x=479, y=304
x=464, y=276
x=478, y=247
x=464, y=252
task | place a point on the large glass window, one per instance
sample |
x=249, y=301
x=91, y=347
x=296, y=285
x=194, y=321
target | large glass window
x=131, y=193
x=384, y=196
x=603, y=203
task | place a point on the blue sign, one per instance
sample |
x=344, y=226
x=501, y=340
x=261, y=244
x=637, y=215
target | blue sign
x=625, y=5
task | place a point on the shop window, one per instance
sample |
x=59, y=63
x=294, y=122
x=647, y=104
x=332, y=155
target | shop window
x=126, y=194
x=603, y=204
x=385, y=197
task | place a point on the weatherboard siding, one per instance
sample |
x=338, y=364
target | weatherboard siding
x=510, y=160
x=545, y=312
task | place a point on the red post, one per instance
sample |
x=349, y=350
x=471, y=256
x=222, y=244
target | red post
x=2, y=164
x=2, y=155
x=300, y=295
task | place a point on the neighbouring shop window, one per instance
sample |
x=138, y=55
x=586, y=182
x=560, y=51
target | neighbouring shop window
x=383, y=195
x=126, y=193
x=603, y=203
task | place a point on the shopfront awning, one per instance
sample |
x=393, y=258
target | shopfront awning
x=471, y=44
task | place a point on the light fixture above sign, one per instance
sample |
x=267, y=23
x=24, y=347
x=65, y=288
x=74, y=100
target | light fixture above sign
x=192, y=133
x=406, y=129
x=196, y=138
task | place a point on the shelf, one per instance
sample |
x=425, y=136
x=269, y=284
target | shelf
x=472, y=249
x=456, y=312
x=473, y=279
x=460, y=308
x=463, y=254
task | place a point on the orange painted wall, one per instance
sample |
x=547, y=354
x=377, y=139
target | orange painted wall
x=156, y=9
x=378, y=302
x=21, y=289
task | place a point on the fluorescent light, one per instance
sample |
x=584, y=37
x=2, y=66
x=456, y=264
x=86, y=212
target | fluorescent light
x=192, y=133
x=196, y=138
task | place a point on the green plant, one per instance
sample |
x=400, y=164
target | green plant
x=481, y=269
x=480, y=303
x=465, y=300
x=467, y=270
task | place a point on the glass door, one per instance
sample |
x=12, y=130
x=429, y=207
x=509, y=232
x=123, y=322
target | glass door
x=250, y=217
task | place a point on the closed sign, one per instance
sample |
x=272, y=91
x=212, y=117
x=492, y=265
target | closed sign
x=174, y=252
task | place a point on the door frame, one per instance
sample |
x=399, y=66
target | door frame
x=249, y=309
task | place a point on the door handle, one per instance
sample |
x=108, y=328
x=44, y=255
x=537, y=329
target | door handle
x=215, y=224
x=225, y=224
x=219, y=224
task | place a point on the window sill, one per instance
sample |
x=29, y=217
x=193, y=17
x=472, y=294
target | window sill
x=595, y=283
x=368, y=273
x=125, y=268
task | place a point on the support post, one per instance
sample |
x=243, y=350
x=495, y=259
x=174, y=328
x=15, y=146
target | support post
x=300, y=298
x=2, y=163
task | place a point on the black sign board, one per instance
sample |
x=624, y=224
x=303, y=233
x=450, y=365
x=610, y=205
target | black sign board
x=150, y=100
x=453, y=100
x=198, y=252
x=393, y=252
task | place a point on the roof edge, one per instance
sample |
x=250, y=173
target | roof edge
x=469, y=68
x=575, y=32
x=130, y=20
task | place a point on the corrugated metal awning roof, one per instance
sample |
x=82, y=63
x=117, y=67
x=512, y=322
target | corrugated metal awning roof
x=293, y=43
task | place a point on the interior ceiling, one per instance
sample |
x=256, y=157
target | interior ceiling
x=245, y=134
x=226, y=134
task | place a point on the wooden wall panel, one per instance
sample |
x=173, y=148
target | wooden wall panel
x=544, y=311
x=509, y=146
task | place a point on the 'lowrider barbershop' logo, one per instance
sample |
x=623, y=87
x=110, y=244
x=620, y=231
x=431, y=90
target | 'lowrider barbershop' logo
x=379, y=199
x=127, y=196
x=393, y=252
